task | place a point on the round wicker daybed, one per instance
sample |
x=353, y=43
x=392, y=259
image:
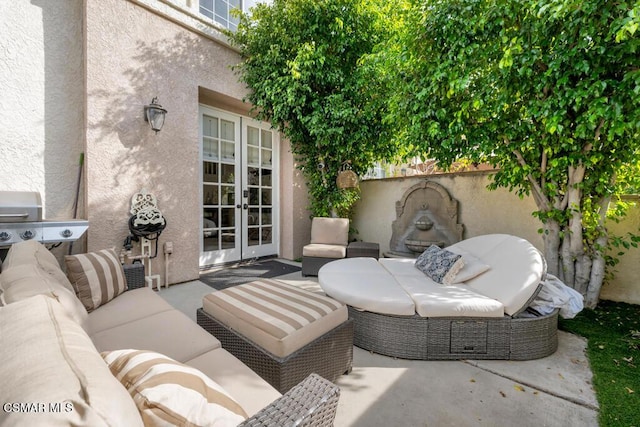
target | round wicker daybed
x=400, y=312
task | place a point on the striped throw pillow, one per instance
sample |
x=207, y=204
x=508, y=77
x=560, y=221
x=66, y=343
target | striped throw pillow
x=96, y=277
x=167, y=392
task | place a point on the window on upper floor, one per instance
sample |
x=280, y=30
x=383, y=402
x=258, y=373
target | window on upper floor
x=220, y=10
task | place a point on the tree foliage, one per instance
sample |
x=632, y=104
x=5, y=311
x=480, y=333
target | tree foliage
x=548, y=90
x=305, y=62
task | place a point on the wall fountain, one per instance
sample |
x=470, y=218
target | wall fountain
x=426, y=215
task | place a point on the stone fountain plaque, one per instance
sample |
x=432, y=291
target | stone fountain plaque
x=426, y=215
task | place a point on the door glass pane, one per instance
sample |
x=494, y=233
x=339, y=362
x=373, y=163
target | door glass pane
x=266, y=196
x=211, y=235
x=210, y=195
x=253, y=196
x=227, y=130
x=266, y=139
x=253, y=236
x=228, y=217
x=252, y=176
x=228, y=195
x=266, y=157
x=228, y=174
x=253, y=136
x=267, y=235
x=210, y=172
x=254, y=216
x=266, y=177
x=253, y=154
x=266, y=216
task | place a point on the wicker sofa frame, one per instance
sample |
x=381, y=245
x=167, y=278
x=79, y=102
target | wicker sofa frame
x=310, y=402
x=453, y=338
x=329, y=356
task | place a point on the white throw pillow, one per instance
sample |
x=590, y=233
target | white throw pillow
x=473, y=266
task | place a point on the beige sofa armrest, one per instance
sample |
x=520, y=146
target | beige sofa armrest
x=311, y=403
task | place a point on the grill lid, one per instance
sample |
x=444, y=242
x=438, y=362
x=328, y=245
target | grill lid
x=20, y=206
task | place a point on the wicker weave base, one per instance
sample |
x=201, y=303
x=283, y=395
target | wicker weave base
x=311, y=264
x=329, y=356
x=452, y=338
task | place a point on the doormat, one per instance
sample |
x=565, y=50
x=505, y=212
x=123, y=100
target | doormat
x=232, y=276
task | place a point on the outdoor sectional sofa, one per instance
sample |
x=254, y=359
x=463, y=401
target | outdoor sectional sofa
x=399, y=311
x=60, y=365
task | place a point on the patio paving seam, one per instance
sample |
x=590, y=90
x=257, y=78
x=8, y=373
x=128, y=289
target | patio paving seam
x=534, y=387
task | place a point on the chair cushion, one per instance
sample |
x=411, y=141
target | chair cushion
x=97, y=277
x=132, y=305
x=278, y=317
x=167, y=392
x=324, y=251
x=434, y=300
x=364, y=284
x=330, y=231
x=245, y=385
x=48, y=359
x=169, y=332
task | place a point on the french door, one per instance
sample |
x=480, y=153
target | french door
x=239, y=189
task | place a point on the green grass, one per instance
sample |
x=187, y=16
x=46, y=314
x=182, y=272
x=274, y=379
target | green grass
x=613, y=334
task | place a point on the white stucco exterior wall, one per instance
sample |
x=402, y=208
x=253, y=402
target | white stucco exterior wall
x=41, y=103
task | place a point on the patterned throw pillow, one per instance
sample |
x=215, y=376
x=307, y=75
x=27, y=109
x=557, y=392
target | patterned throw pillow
x=171, y=393
x=96, y=277
x=439, y=264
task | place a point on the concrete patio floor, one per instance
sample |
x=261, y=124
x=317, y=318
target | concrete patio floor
x=383, y=391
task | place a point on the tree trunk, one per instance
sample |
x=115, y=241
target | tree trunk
x=551, y=239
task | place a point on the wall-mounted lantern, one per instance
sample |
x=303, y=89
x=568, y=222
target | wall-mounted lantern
x=154, y=114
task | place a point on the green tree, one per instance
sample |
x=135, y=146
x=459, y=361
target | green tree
x=305, y=63
x=549, y=91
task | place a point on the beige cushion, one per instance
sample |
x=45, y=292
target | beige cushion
x=517, y=268
x=248, y=388
x=167, y=392
x=35, y=254
x=330, y=231
x=364, y=284
x=324, y=251
x=278, y=317
x=169, y=332
x=132, y=305
x=25, y=281
x=433, y=299
x=47, y=359
x=97, y=277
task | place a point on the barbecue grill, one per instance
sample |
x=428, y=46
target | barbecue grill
x=21, y=219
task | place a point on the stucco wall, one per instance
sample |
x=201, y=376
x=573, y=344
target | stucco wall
x=41, y=103
x=132, y=56
x=483, y=212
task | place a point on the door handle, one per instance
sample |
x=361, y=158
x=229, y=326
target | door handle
x=245, y=206
x=238, y=206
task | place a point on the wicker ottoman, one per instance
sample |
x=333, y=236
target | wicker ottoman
x=282, y=332
x=363, y=249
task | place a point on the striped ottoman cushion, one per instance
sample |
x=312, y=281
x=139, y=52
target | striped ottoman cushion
x=276, y=316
